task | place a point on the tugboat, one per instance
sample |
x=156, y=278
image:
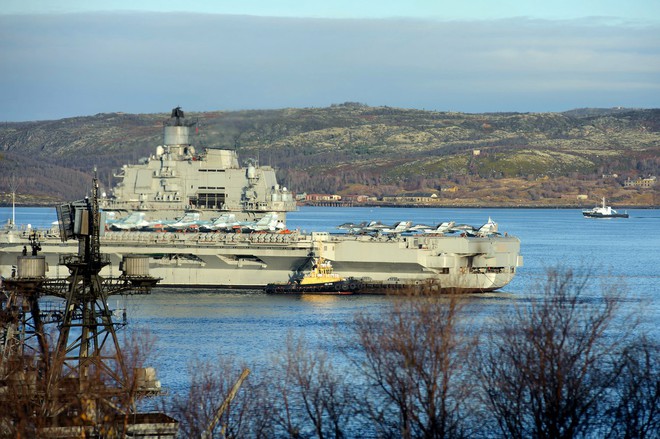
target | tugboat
x=320, y=280
x=603, y=212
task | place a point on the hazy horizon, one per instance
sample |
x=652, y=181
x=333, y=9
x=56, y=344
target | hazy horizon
x=69, y=60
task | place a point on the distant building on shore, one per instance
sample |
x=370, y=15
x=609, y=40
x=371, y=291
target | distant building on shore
x=323, y=197
x=642, y=183
x=415, y=197
x=358, y=198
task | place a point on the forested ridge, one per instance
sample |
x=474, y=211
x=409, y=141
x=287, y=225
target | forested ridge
x=489, y=159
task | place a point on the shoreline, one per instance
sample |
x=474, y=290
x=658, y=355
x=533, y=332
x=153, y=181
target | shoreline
x=471, y=206
x=421, y=206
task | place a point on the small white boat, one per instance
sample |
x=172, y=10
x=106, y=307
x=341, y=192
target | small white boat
x=603, y=211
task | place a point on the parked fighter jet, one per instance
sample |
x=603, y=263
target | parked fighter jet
x=224, y=222
x=134, y=221
x=447, y=227
x=490, y=228
x=376, y=227
x=373, y=226
x=444, y=227
x=352, y=226
x=189, y=221
x=268, y=223
x=399, y=227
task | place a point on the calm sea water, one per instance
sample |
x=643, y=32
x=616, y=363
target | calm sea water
x=623, y=254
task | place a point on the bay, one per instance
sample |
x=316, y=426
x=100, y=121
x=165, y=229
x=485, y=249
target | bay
x=251, y=327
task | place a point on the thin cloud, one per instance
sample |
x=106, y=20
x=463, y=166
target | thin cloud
x=75, y=64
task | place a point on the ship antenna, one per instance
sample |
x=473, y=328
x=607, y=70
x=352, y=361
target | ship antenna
x=178, y=114
x=13, y=186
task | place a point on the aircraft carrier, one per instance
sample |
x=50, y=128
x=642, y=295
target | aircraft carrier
x=206, y=221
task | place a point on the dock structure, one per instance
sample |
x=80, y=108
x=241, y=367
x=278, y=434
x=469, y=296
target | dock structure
x=82, y=385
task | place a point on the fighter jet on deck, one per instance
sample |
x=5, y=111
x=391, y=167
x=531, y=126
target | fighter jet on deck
x=268, y=223
x=134, y=221
x=224, y=222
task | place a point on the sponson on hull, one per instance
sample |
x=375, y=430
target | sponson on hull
x=235, y=234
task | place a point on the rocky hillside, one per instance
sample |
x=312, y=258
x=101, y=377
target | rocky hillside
x=494, y=158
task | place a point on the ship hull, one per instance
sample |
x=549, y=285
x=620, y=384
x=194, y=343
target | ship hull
x=600, y=215
x=339, y=288
x=228, y=260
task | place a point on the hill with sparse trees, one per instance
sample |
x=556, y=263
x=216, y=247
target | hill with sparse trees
x=502, y=159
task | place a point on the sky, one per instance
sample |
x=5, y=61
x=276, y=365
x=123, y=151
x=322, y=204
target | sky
x=75, y=58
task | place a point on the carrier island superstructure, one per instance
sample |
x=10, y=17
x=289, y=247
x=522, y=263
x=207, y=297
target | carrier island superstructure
x=177, y=180
x=145, y=211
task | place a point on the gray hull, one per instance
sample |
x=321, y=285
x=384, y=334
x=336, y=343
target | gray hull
x=234, y=260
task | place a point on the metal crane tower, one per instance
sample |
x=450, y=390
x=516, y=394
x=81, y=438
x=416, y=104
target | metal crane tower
x=84, y=376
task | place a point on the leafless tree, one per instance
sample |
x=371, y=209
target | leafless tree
x=137, y=352
x=21, y=393
x=211, y=383
x=310, y=396
x=413, y=359
x=635, y=412
x=548, y=369
x=23, y=366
